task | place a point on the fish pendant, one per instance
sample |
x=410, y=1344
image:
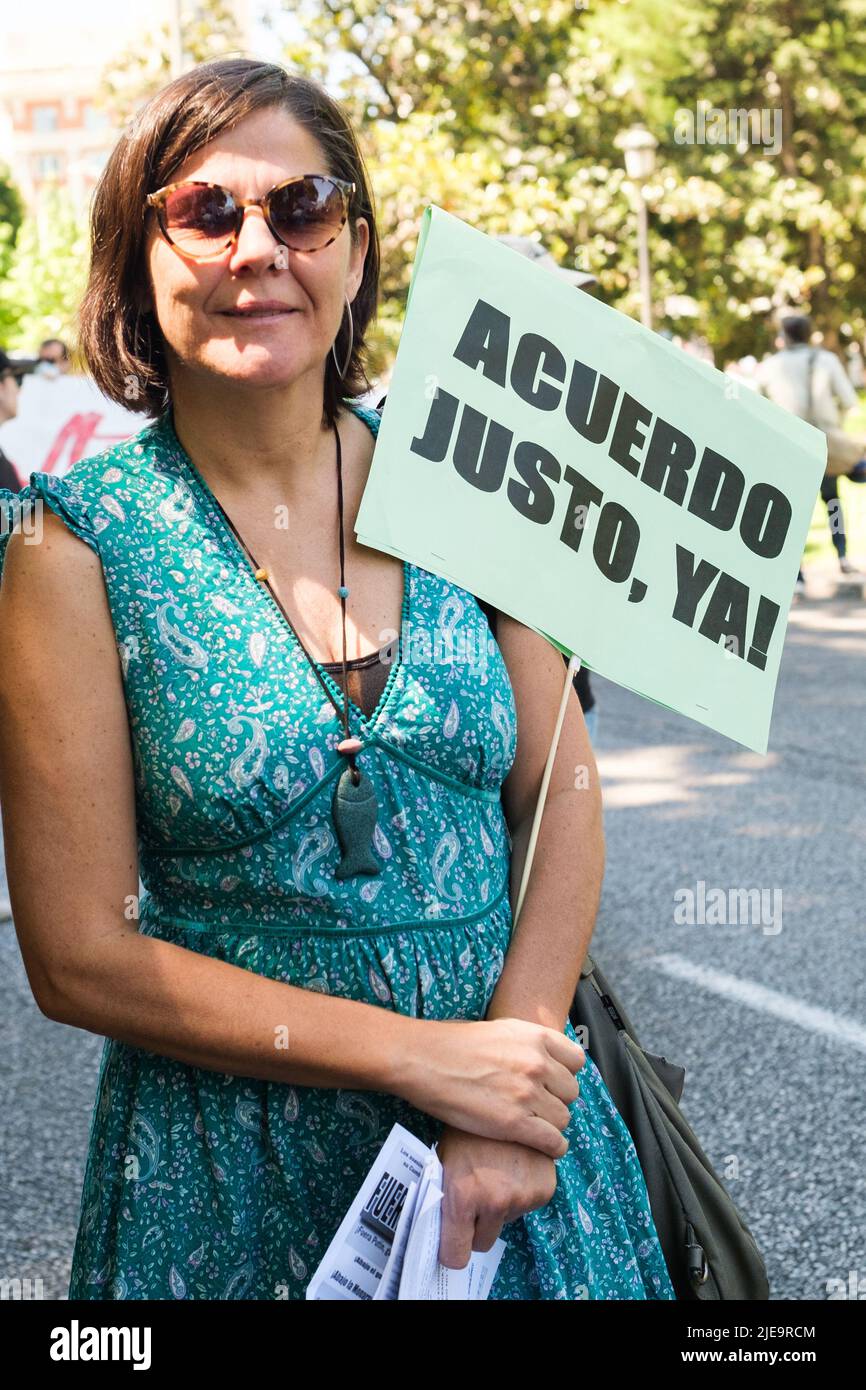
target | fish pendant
x=354, y=810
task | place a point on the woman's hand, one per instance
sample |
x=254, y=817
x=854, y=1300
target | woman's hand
x=502, y=1078
x=486, y=1184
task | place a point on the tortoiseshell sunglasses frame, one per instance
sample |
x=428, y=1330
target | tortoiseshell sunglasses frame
x=157, y=202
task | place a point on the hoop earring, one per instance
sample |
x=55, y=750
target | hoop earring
x=342, y=373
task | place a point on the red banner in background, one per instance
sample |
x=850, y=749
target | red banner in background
x=60, y=421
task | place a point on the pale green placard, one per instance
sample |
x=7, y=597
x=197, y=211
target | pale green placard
x=697, y=476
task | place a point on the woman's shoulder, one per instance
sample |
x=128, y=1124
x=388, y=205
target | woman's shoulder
x=140, y=453
x=96, y=473
x=366, y=412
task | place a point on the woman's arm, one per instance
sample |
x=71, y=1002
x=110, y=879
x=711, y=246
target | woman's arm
x=491, y=1182
x=67, y=789
x=556, y=923
x=66, y=780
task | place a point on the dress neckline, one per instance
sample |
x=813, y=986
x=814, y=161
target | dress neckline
x=200, y=486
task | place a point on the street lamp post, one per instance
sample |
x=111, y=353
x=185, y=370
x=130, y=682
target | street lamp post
x=639, y=150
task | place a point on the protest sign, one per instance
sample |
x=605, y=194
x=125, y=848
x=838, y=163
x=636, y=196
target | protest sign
x=60, y=421
x=559, y=460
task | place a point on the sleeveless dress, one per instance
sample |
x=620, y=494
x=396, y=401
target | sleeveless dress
x=203, y=1185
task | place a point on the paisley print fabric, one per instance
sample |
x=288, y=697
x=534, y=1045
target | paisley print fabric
x=200, y=1185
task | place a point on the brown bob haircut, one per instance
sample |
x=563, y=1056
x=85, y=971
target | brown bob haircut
x=122, y=345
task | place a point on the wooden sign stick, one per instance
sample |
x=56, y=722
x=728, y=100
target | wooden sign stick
x=573, y=668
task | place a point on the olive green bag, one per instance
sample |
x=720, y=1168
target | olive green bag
x=709, y=1250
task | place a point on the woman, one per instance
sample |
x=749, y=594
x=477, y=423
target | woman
x=304, y=969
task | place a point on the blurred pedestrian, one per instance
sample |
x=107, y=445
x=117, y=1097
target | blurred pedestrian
x=53, y=358
x=812, y=383
x=12, y=373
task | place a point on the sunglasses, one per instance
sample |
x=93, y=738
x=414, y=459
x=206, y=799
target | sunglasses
x=199, y=219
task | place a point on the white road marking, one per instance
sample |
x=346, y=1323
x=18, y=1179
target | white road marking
x=768, y=1001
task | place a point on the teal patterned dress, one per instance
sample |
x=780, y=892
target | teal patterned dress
x=203, y=1185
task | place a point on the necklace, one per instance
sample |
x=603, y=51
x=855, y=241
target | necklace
x=354, y=807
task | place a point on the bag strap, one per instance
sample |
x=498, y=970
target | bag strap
x=587, y=972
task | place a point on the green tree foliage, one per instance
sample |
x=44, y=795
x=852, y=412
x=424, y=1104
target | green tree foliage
x=794, y=222
x=44, y=280
x=507, y=113
x=209, y=30
x=11, y=217
x=528, y=99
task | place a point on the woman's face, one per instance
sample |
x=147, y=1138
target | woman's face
x=193, y=300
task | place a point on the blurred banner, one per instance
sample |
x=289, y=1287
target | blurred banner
x=61, y=420
x=578, y=471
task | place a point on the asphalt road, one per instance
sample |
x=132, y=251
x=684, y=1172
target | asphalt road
x=769, y=1024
